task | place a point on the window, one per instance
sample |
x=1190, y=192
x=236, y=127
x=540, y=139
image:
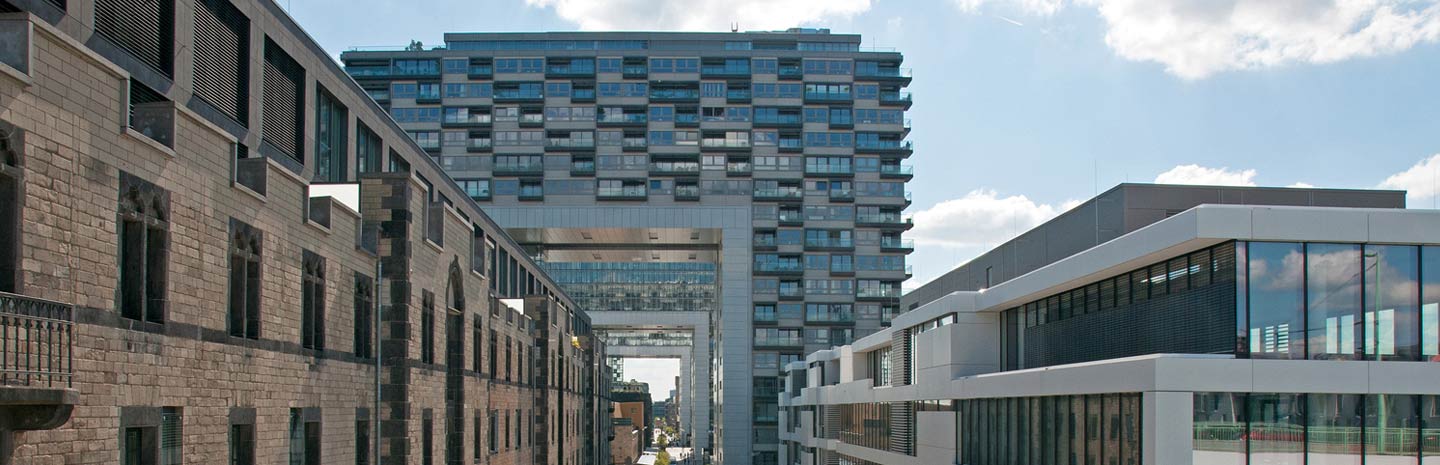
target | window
x=1276, y=301
x=367, y=150
x=362, y=437
x=138, y=446
x=312, y=301
x=494, y=423
x=331, y=119
x=242, y=444
x=11, y=146
x=222, y=58
x=145, y=29
x=144, y=229
x=364, y=315
x=427, y=327
x=304, y=436
x=244, y=287
x=477, y=434
x=283, y=124
x=494, y=355
x=171, y=436
x=427, y=438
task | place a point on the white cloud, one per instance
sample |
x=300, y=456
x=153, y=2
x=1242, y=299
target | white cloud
x=1205, y=176
x=1421, y=181
x=1194, y=39
x=699, y=15
x=980, y=218
x=1301, y=185
x=957, y=230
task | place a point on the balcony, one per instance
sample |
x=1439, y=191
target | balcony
x=687, y=120
x=726, y=144
x=634, y=144
x=626, y=119
x=842, y=195
x=582, y=169
x=570, y=71
x=479, y=145
x=830, y=243
x=518, y=96
x=779, y=341
x=740, y=169
x=37, y=341
x=884, y=220
x=780, y=194
x=481, y=72
x=779, y=268
x=723, y=71
x=765, y=317
x=902, y=75
x=582, y=95
x=898, y=147
x=737, y=96
x=790, y=73
x=763, y=243
x=897, y=171
x=520, y=169
x=623, y=193
x=884, y=293
x=688, y=193
x=896, y=98
x=790, y=145
x=635, y=71
x=792, y=293
x=830, y=317
x=830, y=170
x=888, y=244
x=467, y=121
x=782, y=121
x=790, y=218
x=674, y=95
x=666, y=168
x=828, y=97
x=565, y=143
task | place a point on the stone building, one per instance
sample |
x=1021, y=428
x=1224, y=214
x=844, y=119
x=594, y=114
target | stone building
x=216, y=248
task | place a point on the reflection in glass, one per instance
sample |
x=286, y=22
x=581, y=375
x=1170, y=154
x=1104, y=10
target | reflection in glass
x=1335, y=428
x=1219, y=429
x=1391, y=297
x=1276, y=300
x=1277, y=429
x=1332, y=278
x=1430, y=308
x=1430, y=430
x=1390, y=425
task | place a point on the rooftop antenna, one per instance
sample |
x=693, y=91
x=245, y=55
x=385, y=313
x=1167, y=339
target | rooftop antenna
x=735, y=27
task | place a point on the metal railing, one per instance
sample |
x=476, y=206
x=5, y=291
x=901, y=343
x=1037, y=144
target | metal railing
x=37, y=341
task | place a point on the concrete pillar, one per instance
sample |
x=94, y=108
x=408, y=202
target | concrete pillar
x=1168, y=422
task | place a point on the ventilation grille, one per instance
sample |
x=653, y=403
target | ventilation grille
x=900, y=357
x=902, y=428
x=145, y=28
x=222, y=58
x=281, y=117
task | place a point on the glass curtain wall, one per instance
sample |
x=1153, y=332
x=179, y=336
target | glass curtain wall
x=1315, y=429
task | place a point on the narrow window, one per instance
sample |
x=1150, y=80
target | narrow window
x=245, y=249
x=494, y=422
x=367, y=150
x=364, y=315
x=144, y=247
x=362, y=437
x=427, y=328
x=222, y=58
x=304, y=436
x=331, y=118
x=171, y=436
x=477, y=345
x=11, y=143
x=145, y=29
x=282, y=122
x=138, y=446
x=427, y=439
x=312, y=313
x=242, y=444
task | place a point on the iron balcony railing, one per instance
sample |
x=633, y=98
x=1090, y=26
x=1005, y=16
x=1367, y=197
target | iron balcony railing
x=37, y=341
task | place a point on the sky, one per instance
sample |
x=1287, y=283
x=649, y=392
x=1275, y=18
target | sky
x=1023, y=108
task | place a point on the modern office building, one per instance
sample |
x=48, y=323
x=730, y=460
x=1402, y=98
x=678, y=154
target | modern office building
x=731, y=199
x=1223, y=334
x=216, y=248
x=1117, y=212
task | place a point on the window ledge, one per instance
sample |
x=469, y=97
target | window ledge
x=286, y=171
x=133, y=134
x=247, y=190
x=435, y=246
x=321, y=227
x=24, y=79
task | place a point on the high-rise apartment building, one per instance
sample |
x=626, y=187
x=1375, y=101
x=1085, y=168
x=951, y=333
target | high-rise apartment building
x=734, y=200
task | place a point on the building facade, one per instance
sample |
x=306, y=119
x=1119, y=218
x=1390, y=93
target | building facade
x=743, y=189
x=216, y=248
x=1117, y=212
x=1220, y=335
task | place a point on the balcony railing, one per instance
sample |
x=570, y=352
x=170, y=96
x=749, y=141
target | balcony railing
x=829, y=317
x=885, y=72
x=829, y=243
x=763, y=241
x=37, y=340
x=880, y=293
x=779, y=194
x=829, y=169
x=895, y=97
x=779, y=267
x=725, y=143
x=901, y=244
x=897, y=170
x=479, y=144
x=557, y=142
x=883, y=218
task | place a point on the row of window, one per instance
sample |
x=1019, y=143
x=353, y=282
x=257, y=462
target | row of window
x=648, y=45
x=1288, y=428
x=538, y=90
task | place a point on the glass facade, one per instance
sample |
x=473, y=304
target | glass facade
x=1330, y=301
x=657, y=286
x=1099, y=429
x=1326, y=429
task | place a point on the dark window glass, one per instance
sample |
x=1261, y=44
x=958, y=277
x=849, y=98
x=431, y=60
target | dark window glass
x=1430, y=303
x=331, y=133
x=1334, y=427
x=1219, y=426
x=244, y=288
x=1277, y=423
x=144, y=249
x=242, y=444
x=362, y=439
x=145, y=29
x=312, y=301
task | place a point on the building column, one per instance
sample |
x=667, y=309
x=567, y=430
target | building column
x=1168, y=420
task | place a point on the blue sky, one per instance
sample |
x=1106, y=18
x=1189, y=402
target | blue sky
x=1025, y=106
